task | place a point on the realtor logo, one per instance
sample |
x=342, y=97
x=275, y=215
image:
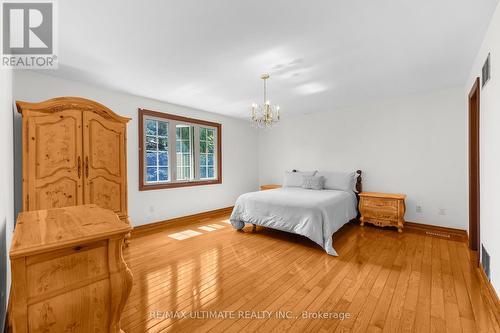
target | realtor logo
x=28, y=34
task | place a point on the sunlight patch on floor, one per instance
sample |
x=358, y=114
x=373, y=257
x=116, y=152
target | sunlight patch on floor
x=184, y=234
x=207, y=228
x=216, y=226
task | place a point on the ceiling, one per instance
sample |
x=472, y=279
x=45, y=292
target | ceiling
x=321, y=54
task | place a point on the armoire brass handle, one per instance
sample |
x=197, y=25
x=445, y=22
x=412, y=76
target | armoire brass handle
x=79, y=167
x=86, y=166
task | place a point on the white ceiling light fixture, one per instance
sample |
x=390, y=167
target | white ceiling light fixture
x=267, y=114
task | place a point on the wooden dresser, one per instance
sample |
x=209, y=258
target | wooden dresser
x=269, y=187
x=68, y=273
x=382, y=209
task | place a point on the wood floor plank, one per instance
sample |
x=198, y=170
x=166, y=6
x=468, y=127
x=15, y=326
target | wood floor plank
x=384, y=281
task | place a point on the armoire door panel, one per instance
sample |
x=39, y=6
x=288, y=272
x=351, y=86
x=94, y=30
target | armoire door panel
x=54, y=154
x=105, y=148
x=62, y=192
x=105, y=193
x=105, y=171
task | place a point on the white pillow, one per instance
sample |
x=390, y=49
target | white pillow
x=313, y=182
x=337, y=180
x=296, y=179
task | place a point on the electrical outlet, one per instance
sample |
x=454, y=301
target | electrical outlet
x=418, y=209
x=442, y=211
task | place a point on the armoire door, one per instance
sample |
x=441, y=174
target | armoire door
x=104, y=165
x=54, y=148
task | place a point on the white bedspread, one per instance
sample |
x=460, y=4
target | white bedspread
x=310, y=213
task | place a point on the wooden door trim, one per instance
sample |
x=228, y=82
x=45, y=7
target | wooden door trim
x=474, y=166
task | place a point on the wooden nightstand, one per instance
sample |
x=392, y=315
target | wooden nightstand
x=269, y=187
x=382, y=209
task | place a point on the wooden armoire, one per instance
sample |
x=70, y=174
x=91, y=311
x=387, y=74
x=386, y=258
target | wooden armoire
x=74, y=153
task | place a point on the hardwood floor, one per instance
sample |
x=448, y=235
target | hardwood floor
x=382, y=281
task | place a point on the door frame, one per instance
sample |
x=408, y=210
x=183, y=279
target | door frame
x=474, y=168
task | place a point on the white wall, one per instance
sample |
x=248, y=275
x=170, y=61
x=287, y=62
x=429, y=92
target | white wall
x=239, y=149
x=414, y=145
x=6, y=177
x=489, y=144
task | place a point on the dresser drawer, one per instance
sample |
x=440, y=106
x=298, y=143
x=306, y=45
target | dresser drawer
x=83, y=310
x=381, y=203
x=58, y=270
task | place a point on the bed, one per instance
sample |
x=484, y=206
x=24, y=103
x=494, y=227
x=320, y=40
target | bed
x=315, y=214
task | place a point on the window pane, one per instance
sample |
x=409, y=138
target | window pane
x=203, y=172
x=151, y=175
x=150, y=143
x=210, y=173
x=203, y=159
x=203, y=147
x=151, y=127
x=151, y=159
x=210, y=160
x=185, y=133
x=163, y=174
x=163, y=159
x=177, y=133
x=210, y=135
x=187, y=159
x=185, y=146
x=162, y=128
x=203, y=134
x=163, y=144
x=210, y=148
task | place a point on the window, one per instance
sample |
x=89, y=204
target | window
x=191, y=156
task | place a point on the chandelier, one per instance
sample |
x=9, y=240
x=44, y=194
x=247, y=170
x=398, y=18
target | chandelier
x=265, y=115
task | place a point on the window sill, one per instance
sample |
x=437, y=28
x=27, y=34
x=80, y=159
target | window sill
x=143, y=187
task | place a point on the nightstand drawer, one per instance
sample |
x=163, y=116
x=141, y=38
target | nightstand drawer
x=379, y=213
x=381, y=222
x=381, y=203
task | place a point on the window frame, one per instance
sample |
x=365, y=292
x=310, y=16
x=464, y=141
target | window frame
x=174, y=120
